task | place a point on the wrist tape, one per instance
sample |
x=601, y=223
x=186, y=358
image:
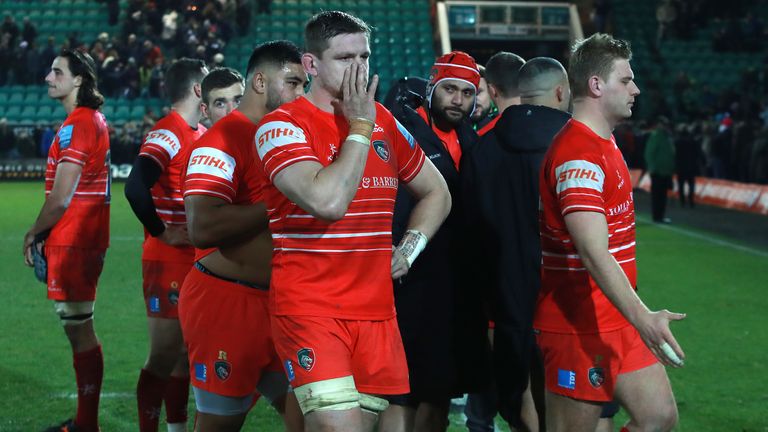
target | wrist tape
x=412, y=244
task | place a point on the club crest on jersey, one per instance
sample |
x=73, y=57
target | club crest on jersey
x=173, y=297
x=596, y=376
x=223, y=369
x=382, y=150
x=306, y=358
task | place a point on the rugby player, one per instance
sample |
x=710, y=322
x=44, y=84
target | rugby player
x=501, y=72
x=599, y=341
x=222, y=90
x=75, y=220
x=334, y=160
x=154, y=192
x=224, y=310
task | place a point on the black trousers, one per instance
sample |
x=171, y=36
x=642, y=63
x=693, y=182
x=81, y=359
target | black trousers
x=689, y=195
x=659, y=186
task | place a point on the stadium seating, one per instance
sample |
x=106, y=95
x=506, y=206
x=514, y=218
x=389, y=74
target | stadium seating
x=401, y=43
x=636, y=22
x=56, y=18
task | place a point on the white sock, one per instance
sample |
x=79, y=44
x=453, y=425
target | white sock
x=177, y=427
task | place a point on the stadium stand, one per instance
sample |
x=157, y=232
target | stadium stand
x=401, y=41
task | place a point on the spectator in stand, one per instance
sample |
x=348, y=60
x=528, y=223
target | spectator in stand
x=170, y=25
x=113, y=11
x=156, y=79
x=9, y=26
x=754, y=32
x=265, y=6
x=6, y=56
x=145, y=75
x=130, y=80
x=243, y=16
x=25, y=64
x=721, y=148
x=660, y=161
x=689, y=159
x=666, y=14
x=132, y=48
x=7, y=140
x=600, y=12
x=150, y=51
x=29, y=31
x=34, y=67
x=48, y=53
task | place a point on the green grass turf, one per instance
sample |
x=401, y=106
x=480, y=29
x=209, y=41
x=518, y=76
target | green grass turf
x=723, y=386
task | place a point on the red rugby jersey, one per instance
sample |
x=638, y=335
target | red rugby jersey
x=166, y=144
x=82, y=139
x=582, y=172
x=339, y=269
x=222, y=164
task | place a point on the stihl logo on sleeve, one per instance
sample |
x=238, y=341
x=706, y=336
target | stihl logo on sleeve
x=211, y=161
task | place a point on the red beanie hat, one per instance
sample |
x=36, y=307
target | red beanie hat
x=456, y=65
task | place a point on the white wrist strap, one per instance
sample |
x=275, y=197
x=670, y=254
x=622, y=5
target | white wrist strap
x=412, y=244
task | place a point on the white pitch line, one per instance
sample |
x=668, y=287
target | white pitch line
x=107, y=395
x=698, y=236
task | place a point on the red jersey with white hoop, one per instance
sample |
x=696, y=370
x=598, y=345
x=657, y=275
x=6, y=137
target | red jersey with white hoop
x=334, y=269
x=82, y=139
x=582, y=172
x=166, y=144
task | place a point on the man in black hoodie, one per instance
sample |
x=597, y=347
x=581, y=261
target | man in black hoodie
x=440, y=325
x=500, y=178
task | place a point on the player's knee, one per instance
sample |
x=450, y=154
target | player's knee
x=663, y=419
x=667, y=418
x=74, y=313
x=335, y=394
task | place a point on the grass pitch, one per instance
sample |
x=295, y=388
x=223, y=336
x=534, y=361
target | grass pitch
x=723, y=387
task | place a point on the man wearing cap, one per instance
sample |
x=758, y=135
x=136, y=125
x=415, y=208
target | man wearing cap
x=437, y=333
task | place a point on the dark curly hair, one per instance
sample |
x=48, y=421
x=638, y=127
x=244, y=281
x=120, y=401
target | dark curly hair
x=81, y=64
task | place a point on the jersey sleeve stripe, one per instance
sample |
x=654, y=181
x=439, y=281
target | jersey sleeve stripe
x=153, y=157
x=280, y=153
x=575, y=207
x=71, y=159
x=273, y=172
x=70, y=149
x=207, y=192
x=327, y=236
x=200, y=179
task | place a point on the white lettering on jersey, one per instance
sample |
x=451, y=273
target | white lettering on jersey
x=165, y=139
x=276, y=134
x=211, y=161
x=579, y=174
